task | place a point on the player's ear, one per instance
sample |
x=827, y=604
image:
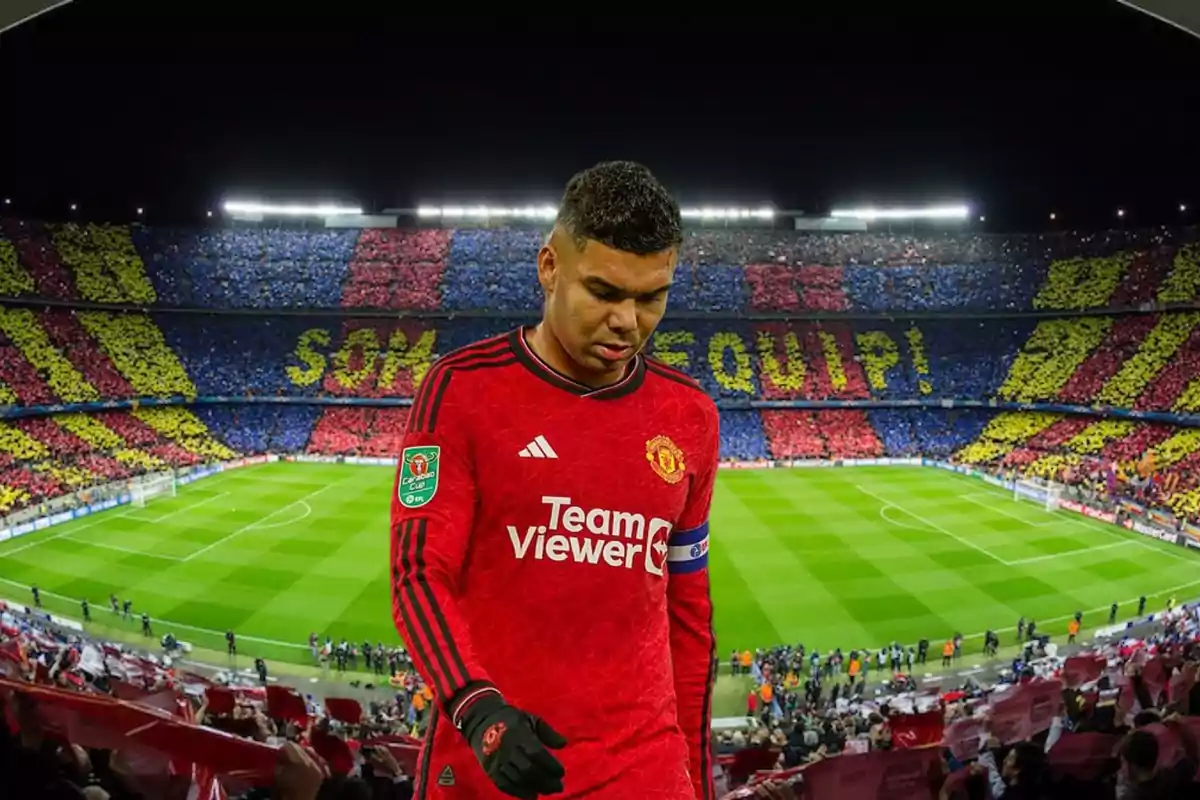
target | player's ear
x=548, y=265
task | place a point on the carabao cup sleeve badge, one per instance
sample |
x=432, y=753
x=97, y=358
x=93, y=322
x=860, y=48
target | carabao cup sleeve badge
x=419, y=468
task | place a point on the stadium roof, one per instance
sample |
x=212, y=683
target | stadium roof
x=1183, y=14
x=14, y=12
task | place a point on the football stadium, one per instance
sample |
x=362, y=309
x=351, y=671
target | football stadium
x=879, y=500
x=884, y=480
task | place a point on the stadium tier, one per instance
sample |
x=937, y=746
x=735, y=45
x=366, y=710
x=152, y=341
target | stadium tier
x=1042, y=353
x=127, y=351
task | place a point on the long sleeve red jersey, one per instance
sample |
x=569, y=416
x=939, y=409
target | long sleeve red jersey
x=551, y=540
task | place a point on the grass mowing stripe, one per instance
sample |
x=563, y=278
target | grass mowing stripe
x=799, y=555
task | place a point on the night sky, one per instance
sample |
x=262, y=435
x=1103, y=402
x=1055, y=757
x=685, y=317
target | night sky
x=1017, y=111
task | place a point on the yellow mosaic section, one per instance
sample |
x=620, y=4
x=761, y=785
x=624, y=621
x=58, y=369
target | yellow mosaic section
x=1176, y=448
x=105, y=439
x=183, y=427
x=137, y=347
x=21, y=326
x=7, y=396
x=1088, y=441
x=1189, y=398
x=107, y=267
x=1155, y=351
x=1049, y=466
x=1184, y=281
x=1081, y=283
x=20, y=445
x=24, y=447
x=10, y=496
x=66, y=474
x=14, y=280
x=1051, y=355
x=1004, y=433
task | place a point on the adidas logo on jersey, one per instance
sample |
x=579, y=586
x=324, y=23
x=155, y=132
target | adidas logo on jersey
x=538, y=448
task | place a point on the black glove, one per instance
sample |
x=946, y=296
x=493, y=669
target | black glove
x=511, y=745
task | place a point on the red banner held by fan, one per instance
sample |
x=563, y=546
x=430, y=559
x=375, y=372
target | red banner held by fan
x=99, y=721
x=1082, y=755
x=917, y=730
x=894, y=774
x=1078, y=670
x=344, y=709
x=1027, y=709
x=283, y=703
x=962, y=737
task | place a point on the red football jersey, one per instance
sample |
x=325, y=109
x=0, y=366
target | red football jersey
x=551, y=540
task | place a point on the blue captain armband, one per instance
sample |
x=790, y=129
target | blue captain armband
x=688, y=551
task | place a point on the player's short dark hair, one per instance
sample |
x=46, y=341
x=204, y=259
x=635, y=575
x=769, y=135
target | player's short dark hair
x=622, y=205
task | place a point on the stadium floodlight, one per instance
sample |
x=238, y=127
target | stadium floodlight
x=208, y=214
x=726, y=213
x=481, y=211
x=928, y=212
x=982, y=218
x=288, y=209
x=8, y=202
x=1182, y=206
x=1053, y=216
x=74, y=207
x=1120, y=212
x=140, y=211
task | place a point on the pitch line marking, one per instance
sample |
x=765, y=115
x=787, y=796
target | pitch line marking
x=285, y=523
x=42, y=541
x=883, y=514
x=102, y=516
x=932, y=526
x=298, y=646
x=1022, y=520
x=257, y=523
x=87, y=543
x=170, y=514
x=1080, y=550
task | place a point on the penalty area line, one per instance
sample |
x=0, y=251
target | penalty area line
x=932, y=526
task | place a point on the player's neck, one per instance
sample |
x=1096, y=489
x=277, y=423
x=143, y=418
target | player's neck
x=546, y=347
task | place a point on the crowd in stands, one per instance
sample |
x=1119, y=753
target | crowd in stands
x=721, y=269
x=72, y=701
x=1119, y=718
x=63, y=355
x=462, y=285
x=1116, y=718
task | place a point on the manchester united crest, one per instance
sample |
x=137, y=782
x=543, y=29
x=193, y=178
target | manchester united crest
x=666, y=459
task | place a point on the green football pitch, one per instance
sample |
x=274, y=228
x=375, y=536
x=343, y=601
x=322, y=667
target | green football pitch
x=850, y=557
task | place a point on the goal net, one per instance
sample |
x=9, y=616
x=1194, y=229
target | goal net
x=1045, y=494
x=151, y=486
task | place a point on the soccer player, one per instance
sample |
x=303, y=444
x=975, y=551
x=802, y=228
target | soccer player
x=86, y=609
x=550, y=529
x=37, y=596
x=146, y=624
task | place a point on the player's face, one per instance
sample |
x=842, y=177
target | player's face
x=602, y=304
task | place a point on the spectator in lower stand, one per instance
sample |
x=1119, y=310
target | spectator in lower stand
x=1140, y=778
x=1022, y=775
